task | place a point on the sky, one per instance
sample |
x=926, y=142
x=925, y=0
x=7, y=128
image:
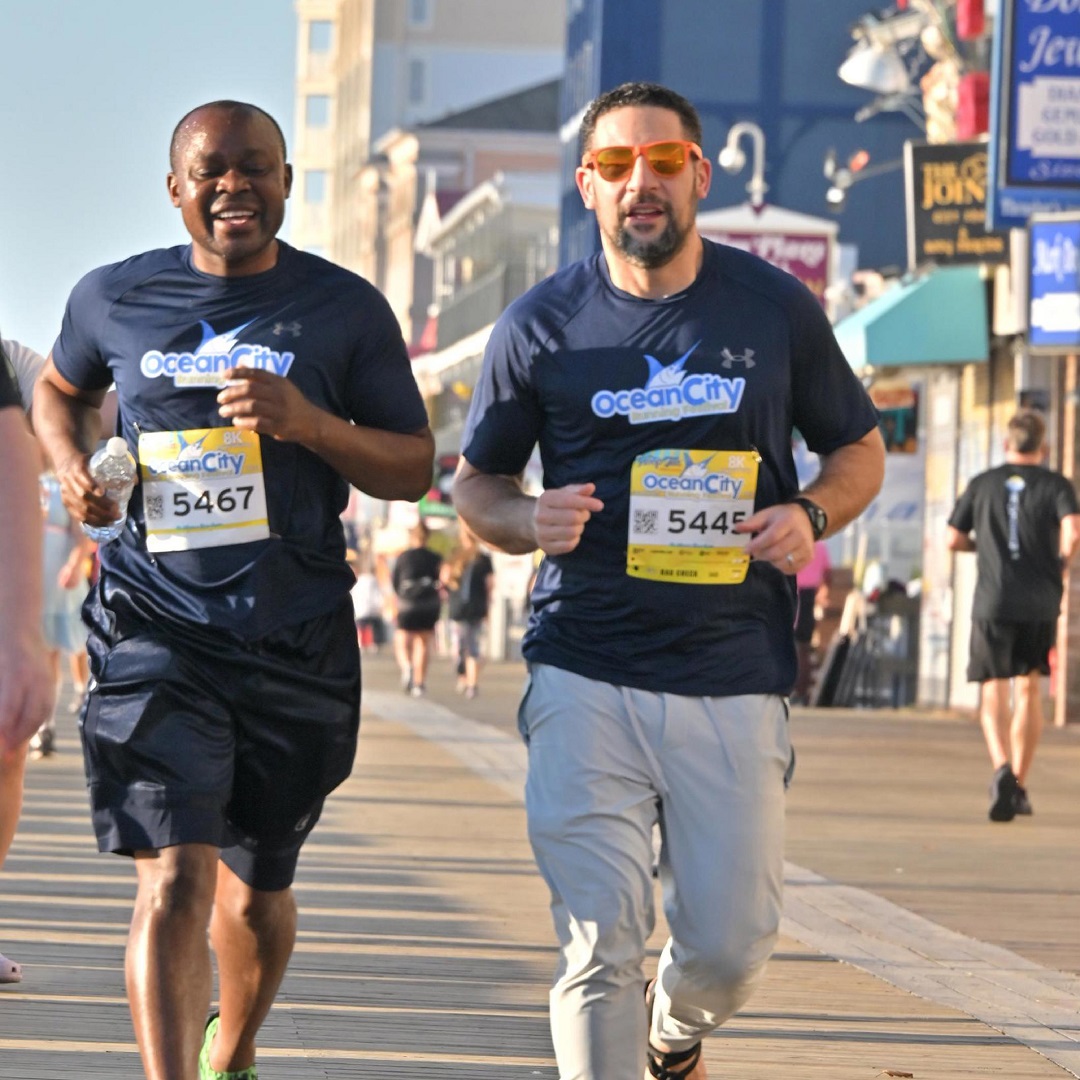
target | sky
x=91, y=92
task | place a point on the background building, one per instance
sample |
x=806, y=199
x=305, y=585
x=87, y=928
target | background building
x=773, y=62
x=366, y=67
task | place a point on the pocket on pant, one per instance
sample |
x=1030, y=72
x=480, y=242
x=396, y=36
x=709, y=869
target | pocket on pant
x=522, y=713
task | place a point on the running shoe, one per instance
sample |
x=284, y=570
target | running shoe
x=1021, y=802
x=1003, y=790
x=43, y=744
x=206, y=1072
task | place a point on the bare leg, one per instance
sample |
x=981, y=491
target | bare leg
x=994, y=716
x=253, y=933
x=12, y=768
x=80, y=670
x=402, y=653
x=168, y=957
x=421, y=651
x=1027, y=723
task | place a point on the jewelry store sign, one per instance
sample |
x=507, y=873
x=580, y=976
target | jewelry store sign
x=945, y=186
x=1035, y=111
x=1054, y=283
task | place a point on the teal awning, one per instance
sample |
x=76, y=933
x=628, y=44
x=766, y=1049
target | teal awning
x=939, y=318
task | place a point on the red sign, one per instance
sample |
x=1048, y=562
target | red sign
x=804, y=255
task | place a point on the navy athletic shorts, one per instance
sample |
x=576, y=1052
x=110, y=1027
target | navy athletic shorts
x=1005, y=650
x=191, y=736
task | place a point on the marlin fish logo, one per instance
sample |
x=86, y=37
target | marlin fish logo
x=189, y=449
x=214, y=342
x=672, y=375
x=696, y=471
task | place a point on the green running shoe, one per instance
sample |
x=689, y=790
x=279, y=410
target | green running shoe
x=206, y=1072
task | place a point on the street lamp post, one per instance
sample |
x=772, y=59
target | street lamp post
x=732, y=159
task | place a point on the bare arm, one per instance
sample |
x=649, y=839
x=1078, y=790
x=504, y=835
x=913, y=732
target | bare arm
x=849, y=479
x=67, y=421
x=384, y=464
x=955, y=540
x=27, y=687
x=1070, y=537
x=498, y=511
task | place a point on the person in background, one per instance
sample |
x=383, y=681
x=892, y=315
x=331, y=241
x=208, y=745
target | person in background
x=27, y=689
x=368, y=603
x=662, y=379
x=1022, y=520
x=255, y=384
x=66, y=551
x=468, y=575
x=808, y=580
x=418, y=602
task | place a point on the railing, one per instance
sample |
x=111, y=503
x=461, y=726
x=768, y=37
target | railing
x=472, y=307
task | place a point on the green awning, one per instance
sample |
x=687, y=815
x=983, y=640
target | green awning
x=939, y=318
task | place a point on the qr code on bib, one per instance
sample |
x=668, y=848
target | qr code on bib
x=646, y=521
x=155, y=507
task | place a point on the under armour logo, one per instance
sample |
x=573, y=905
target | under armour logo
x=293, y=329
x=730, y=358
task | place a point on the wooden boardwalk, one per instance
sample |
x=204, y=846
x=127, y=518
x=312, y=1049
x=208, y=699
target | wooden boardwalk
x=425, y=947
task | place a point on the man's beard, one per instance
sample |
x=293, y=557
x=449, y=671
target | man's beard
x=654, y=253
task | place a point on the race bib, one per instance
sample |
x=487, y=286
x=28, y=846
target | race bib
x=684, y=505
x=202, y=488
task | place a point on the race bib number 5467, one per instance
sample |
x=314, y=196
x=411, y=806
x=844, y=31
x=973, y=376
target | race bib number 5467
x=684, y=506
x=202, y=488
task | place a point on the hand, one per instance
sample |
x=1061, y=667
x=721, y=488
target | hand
x=782, y=536
x=258, y=400
x=27, y=687
x=83, y=497
x=560, y=516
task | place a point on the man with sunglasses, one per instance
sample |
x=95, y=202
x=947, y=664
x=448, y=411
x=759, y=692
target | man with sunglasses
x=662, y=379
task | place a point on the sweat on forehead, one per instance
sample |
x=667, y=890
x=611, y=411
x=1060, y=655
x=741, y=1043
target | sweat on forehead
x=190, y=123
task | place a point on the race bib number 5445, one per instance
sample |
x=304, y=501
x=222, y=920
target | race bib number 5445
x=684, y=506
x=202, y=488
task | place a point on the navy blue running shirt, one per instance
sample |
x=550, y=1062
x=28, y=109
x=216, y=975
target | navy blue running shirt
x=568, y=366
x=163, y=331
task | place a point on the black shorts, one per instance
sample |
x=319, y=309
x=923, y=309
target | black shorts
x=419, y=616
x=1004, y=650
x=192, y=736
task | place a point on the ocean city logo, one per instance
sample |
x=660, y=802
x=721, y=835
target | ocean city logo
x=670, y=393
x=217, y=353
x=694, y=479
x=192, y=458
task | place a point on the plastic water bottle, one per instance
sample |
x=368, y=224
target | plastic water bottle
x=113, y=468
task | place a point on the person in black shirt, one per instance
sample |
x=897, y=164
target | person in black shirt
x=1026, y=525
x=415, y=578
x=468, y=575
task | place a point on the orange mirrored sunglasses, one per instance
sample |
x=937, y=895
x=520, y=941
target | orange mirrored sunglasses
x=666, y=158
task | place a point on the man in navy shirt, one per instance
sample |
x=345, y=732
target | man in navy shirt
x=662, y=379
x=254, y=384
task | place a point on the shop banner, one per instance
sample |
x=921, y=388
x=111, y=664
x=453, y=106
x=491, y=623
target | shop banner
x=1034, y=111
x=1054, y=283
x=945, y=187
x=807, y=256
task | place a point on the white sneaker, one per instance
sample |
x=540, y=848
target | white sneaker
x=417, y=690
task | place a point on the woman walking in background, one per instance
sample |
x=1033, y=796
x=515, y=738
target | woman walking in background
x=468, y=575
x=419, y=603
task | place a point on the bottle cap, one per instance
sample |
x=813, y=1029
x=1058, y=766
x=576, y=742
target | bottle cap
x=116, y=447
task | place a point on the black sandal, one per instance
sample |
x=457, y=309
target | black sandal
x=659, y=1062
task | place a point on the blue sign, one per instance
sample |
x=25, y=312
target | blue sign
x=1054, y=283
x=1034, y=111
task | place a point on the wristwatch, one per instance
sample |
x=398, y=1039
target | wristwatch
x=819, y=520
